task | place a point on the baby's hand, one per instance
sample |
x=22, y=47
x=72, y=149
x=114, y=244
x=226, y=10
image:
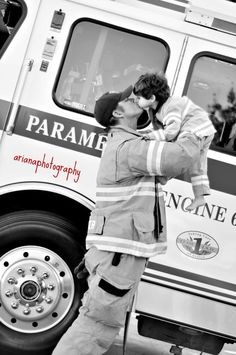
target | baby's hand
x=150, y=136
x=146, y=137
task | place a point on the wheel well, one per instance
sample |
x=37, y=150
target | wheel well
x=181, y=336
x=46, y=201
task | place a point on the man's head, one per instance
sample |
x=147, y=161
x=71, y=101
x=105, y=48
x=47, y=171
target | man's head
x=117, y=107
x=152, y=90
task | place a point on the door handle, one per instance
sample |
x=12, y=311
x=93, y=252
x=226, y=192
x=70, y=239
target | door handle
x=26, y=68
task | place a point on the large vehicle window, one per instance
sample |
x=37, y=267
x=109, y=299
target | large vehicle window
x=10, y=15
x=212, y=85
x=100, y=58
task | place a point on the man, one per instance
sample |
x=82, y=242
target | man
x=128, y=224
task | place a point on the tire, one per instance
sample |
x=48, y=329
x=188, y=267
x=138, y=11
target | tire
x=39, y=297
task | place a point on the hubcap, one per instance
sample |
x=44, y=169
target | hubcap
x=36, y=289
x=30, y=290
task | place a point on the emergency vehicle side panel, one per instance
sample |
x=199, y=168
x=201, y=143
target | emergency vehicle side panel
x=52, y=143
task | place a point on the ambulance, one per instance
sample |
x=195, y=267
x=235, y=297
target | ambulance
x=56, y=58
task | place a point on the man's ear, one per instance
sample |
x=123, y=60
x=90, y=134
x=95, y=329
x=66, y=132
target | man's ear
x=117, y=114
x=152, y=98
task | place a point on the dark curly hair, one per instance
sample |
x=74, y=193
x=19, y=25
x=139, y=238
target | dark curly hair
x=152, y=84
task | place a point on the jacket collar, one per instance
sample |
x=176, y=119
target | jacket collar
x=126, y=129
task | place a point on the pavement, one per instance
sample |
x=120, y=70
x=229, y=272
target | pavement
x=139, y=345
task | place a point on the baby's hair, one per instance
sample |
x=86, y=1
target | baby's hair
x=152, y=84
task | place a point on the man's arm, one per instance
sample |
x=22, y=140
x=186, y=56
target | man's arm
x=162, y=158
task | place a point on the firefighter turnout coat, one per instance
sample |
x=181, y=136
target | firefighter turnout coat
x=129, y=216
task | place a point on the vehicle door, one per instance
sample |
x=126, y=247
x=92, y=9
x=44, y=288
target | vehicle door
x=16, y=22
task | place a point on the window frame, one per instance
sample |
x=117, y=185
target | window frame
x=12, y=35
x=104, y=24
x=216, y=56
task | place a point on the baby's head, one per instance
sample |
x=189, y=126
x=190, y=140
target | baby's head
x=152, y=90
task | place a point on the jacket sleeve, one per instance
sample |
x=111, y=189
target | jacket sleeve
x=172, y=122
x=161, y=158
x=172, y=128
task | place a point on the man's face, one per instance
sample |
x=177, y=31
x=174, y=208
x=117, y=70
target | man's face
x=130, y=107
x=144, y=103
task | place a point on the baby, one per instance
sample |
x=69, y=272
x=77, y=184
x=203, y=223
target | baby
x=178, y=116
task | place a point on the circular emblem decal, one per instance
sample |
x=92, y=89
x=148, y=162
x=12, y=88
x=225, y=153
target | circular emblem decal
x=197, y=245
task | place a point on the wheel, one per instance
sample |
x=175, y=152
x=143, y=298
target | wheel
x=38, y=297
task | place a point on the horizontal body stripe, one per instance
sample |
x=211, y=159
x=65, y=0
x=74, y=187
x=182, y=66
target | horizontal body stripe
x=141, y=184
x=221, y=174
x=125, y=197
x=202, y=182
x=167, y=4
x=122, y=193
x=139, y=253
x=191, y=286
x=4, y=109
x=199, y=177
x=125, y=245
x=191, y=276
x=85, y=137
x=121, y=241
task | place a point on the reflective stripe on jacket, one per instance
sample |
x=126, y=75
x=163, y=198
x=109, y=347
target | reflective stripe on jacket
x=130, y=213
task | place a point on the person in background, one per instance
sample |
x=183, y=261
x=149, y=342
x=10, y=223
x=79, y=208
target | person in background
x=127, y=225
x=178, y=116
